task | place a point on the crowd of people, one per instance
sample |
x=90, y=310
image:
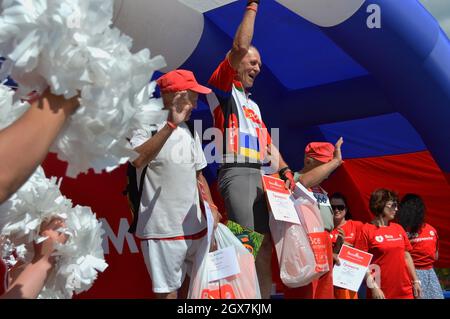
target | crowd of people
x=171, y=223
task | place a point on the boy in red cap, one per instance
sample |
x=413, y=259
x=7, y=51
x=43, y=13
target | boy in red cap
x=320, y=160
x=170, y=224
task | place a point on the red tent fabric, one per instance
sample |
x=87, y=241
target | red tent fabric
x=407, y=173
x=126, y=275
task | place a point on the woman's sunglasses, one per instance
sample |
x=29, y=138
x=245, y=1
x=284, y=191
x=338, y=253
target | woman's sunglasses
x=338, y=207
x=394, y=205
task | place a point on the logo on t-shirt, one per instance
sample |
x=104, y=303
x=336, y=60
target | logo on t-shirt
x=431, y=233
x=251, y=115
x=379, y=239
x=412, y=235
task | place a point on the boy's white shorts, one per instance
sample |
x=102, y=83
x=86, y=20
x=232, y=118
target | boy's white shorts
x=168, y=261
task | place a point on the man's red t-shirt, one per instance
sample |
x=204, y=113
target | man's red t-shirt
x=388, y=245
x=245, y=136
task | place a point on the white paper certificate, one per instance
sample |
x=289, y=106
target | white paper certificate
x=280, y=200
x=222, y=263
x=354, y=264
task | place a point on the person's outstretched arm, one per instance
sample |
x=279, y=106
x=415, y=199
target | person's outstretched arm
x=244, y=35
x=319, y=174
x=25, y=143
x=178, y=112
x=207, y=194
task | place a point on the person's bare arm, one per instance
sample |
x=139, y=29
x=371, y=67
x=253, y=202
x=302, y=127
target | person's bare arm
x=276, y=160
x=417, y=286
x=25, y=143
x=207, y=193
x=376, y=291
x=177, y=114
x=31, y=280
x=150, y=149
x=244, y=35
x=317, y=175
x=278, y=163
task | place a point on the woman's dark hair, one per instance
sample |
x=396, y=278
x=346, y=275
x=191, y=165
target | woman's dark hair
x=338, y=195
x=411, y=213
x=379, y=198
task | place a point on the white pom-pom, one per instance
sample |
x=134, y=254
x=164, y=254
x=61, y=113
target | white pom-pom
x=79, y=259
x=9, y=111
x=69, y=46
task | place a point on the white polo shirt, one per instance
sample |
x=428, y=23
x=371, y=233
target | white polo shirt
x=170, y=200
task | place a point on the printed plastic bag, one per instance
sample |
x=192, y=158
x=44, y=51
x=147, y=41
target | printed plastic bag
x=309, y=215
x=243, y=285
x=294, y=252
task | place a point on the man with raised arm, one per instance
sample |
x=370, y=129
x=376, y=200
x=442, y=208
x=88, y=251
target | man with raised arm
x=245, y=142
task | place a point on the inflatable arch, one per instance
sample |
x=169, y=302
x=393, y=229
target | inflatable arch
x=407, y=55
x=376, y=72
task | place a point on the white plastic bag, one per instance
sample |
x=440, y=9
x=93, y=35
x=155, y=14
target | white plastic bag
x=294, y=252
x=244, y=285
x=309, y=215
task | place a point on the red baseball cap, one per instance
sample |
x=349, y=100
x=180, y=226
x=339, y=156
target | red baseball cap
x=180, y=80
x=321, y=151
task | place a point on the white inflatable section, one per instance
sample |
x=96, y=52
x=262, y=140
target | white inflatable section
x=166, y=27
x=206, y=5
x=324, y=13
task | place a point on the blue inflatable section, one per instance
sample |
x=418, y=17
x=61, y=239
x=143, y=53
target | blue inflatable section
x=386, y=90
x=410, y=58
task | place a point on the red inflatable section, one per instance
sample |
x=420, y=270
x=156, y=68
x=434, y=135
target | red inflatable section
x=126, y=275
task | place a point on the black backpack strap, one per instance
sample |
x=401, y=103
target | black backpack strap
x=134, y=222
x=141, y=184
x=140, y=190
x=190, y=126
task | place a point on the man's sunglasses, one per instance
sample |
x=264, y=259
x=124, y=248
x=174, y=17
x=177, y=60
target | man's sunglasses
x=338, y=207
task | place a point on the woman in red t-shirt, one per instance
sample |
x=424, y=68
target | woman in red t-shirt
x=345, y=232
x=424, y=241
x=393, y=275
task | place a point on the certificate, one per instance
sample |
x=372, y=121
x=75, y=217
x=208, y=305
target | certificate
x=222, y=263
x=280, y=200
x=354, y=264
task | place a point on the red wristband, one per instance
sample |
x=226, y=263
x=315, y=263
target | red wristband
x=172, y=125
x=288, y=174
x=252, y=8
